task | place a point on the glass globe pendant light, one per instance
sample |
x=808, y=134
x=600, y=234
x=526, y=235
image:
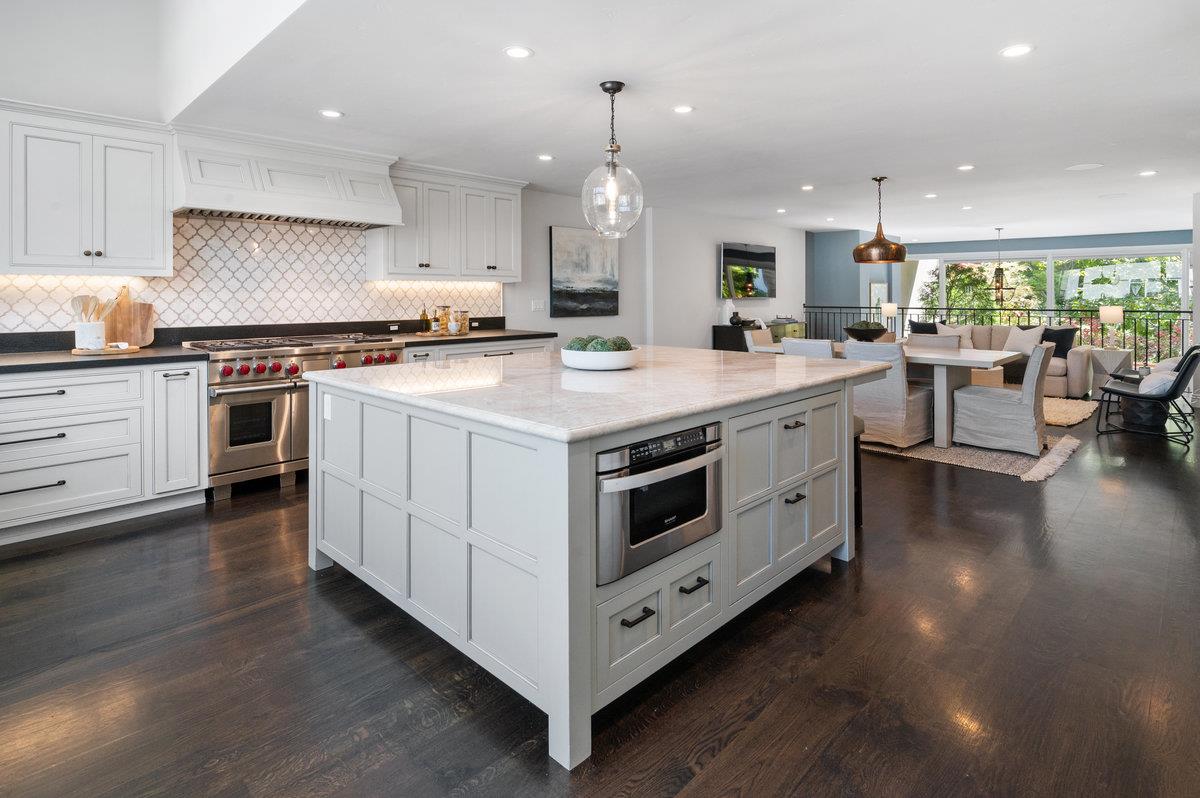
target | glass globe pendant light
x=879, y=249
x=612, y=194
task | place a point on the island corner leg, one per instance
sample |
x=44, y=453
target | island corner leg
x=845, y=552
x=318, y=560
x=570, y=737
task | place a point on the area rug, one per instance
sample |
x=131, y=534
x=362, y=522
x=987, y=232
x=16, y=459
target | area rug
x=1027, y=467
x=1064, y=412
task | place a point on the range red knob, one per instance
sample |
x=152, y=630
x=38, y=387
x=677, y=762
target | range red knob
x=367, y=360
x=381, y=358
x=293, y=369
x=276, y=367
x=260, y=368
x=226, y=371
x=339, y=364
x=391, y=358
x=244, y=369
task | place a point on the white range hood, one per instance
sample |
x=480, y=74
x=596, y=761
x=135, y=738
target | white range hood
x=227, y=175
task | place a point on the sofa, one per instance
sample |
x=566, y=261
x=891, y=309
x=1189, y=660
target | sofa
x=1069, y=376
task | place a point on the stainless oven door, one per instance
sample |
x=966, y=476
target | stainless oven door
x=248, y=426
x=645, y=513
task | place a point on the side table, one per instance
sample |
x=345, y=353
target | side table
x=1107, y=361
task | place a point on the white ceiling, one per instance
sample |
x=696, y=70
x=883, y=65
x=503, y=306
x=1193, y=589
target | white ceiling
x=786, y=93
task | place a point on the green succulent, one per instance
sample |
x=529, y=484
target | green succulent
x=600, y=345
x=620, y=343
x=577, y=344
x=866, y=325
x=587, y=339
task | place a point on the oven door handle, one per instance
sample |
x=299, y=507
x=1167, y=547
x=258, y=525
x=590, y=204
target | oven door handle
x=620, y=484
x=213, y=393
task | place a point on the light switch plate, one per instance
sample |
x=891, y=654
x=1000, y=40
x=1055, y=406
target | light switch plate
x=538, y=304
x=327, y=408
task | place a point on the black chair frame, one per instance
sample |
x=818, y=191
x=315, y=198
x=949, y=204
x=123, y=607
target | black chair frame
x=1175, y=402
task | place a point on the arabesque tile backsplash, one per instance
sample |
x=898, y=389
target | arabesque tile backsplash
x=242, y=272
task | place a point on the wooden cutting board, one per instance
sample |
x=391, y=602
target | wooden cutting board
x=129, y=321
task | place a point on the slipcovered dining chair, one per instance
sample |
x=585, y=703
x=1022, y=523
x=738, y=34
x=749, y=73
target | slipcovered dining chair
x=1001, y=418
x=757, y=339
x=893, y=412
x=808, y=347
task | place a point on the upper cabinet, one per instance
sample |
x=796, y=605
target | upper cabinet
x=457, y=227
x=83, y=198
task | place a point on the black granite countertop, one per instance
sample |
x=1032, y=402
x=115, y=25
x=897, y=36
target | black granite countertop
x=18, y=362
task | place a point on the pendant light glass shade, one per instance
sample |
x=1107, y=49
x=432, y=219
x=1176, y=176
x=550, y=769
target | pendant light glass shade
x=612, y=194
x=879, y=249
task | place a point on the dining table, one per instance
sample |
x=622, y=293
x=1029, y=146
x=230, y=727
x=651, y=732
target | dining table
x=951, y=371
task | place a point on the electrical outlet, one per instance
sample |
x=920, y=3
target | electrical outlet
x=393, y=327
x=537, y=304
x=327, y=410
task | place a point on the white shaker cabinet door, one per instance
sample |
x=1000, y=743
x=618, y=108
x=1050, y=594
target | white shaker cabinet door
x=505, y=238
x=51, y=198
x=129, y=231
x=476, y=232
x=176, y=425
x=439, y=204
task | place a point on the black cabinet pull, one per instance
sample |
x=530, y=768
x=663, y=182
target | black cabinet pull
x=795, y=425
x=59, y=392
x=99, y=254
x=700, y=582
x=34, y=440
x=87, y=253
x=493, y=268
x=172, y=374
x=646, y=613
x=496, y=354
x=58, y=484
x=799, y=497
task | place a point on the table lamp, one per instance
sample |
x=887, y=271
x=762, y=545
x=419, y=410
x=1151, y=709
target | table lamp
x=1110, y=314
x=888, y=310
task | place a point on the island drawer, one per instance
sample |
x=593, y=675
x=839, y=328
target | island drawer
x=69, y=389
x=637, y=624
x=36, y=437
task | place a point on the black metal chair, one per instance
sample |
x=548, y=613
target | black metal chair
x=1137, y=375
x=1174, y=406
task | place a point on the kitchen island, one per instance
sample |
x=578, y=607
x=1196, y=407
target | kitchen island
x=467, y=493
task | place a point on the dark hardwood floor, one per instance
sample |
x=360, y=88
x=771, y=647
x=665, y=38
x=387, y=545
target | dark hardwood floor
x=992, y=638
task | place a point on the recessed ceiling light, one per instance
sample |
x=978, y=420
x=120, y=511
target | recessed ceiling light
x=829, y=218
x=966, y=167
x=968, y=207
x=545, y=157
x=329, y=113
x=1016, y=50
x=1084, y=167
x=517, y=51
x=781, y=210
x=806, y=188
x=683, y=109
x=914, y=240
x=931, y=196
x=1148, y=173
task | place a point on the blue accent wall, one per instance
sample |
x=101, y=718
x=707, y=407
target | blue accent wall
x=831, y=275
x=1171, y=238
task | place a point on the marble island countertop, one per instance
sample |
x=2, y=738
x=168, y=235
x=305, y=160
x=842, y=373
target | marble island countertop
x=536, y=394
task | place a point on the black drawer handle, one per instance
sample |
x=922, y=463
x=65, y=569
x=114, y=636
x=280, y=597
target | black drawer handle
x=34, y=440
x=799, y=497
x=59, y=392
x=493, y=268
x=700, y=582
x=795, y=425
x=170, y=375
x=58, y=484
x=421, y=356
x=496, y=354
x=646, y=613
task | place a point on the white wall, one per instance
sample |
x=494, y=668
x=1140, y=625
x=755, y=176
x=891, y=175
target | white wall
x=684, y=293
x=539, y=211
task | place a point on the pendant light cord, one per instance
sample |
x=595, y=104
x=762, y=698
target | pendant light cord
x=612, y=118
x=879, y=198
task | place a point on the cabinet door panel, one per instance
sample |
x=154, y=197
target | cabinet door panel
x=753, y=546
x=791, y=446
x=407, y=239
x=176, y=409
x=51, y=198
x=476, y=232
x=505, y=236
x=823, y=433
x=129, y=206
x=440, y=233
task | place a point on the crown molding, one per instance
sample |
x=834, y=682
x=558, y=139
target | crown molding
x=405, y=168
x=17, y=106
x=256, y=139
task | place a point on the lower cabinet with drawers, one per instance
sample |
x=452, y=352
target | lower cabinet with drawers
x=88, y=446
x=429, y=354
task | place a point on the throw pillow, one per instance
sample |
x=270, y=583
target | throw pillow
x=1063, y=339
x=1024, y=341
x=1166, y=365
x=923, y=327
x=963, y=333
x=1157, y=383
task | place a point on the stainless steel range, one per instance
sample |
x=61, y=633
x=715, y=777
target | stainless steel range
x=258, y=403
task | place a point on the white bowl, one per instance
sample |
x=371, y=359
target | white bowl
x=601, y=361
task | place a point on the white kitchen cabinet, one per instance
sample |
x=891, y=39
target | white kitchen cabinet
x=84, y=199
x=457, y=227
x=176, y=428
x=463, y=351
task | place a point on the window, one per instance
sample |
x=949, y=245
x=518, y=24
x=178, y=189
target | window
x=1152, y=282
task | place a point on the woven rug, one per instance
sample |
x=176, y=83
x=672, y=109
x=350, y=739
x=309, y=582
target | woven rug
x=1064, y=412
x=1027, y=467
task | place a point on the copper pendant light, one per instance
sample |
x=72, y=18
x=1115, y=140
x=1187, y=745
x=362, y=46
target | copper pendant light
x=879, y=249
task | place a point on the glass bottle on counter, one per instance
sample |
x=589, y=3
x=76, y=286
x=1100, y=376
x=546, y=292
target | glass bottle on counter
x=424, y=320
x=443, y=314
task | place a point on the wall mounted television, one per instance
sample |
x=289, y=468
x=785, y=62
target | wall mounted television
x=747, y=271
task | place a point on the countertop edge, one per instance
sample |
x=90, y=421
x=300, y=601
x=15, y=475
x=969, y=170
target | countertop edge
x=61, y=361
x=583, y=433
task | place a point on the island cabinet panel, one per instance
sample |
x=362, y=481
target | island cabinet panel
x=751, y=438
x=385, y=544
x=824, y=518
x=502, y=493
x=383, y=453
x=437, y=584
x=752, y=544
x=341, y=421
x=437, y=481
x=340, y=527
x=503, y=613
x=824, y=432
